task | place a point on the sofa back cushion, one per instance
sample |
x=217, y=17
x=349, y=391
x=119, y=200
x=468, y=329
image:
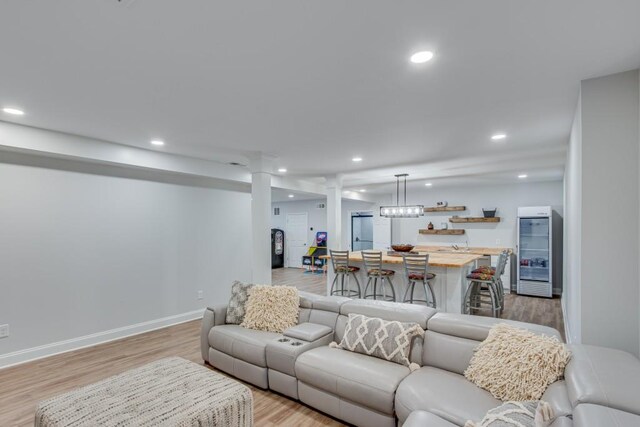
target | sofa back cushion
x=392, y=311
x=447, y=352
x=451, y=338
x=384, y=339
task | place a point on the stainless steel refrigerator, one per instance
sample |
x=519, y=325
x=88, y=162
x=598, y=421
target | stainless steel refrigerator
x=539, y=250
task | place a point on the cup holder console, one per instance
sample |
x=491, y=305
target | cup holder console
x=289, y=341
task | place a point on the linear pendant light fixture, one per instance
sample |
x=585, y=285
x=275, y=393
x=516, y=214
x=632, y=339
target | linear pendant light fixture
x=401, y=211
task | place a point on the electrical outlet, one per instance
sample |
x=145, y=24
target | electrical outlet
x=200, y=294
x=497, y=241
x=4, y=331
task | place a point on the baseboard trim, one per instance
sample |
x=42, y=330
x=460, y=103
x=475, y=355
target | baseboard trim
x=35, y=353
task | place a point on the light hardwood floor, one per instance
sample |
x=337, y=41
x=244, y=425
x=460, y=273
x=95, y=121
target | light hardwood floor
x=21, y=387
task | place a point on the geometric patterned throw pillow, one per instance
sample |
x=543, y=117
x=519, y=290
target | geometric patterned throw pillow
x=388, y=340
x=531, y=413
x=236, y=307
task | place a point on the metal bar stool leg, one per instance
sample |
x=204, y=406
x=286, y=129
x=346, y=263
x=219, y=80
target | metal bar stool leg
x=494, y=308
x=393, y=290
x=355, y=277
x=366, y=288
x=433, y=294
x=333, y=284
x=406, y=291
x=467, y=299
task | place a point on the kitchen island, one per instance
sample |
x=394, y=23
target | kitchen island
x=449, y=286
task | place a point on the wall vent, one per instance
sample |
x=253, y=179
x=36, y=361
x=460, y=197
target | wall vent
x=276, y=211
x=321, y=206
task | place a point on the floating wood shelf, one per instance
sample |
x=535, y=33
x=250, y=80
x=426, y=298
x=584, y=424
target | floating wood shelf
x=457, y=219
x=446, y=209
x=449, y=231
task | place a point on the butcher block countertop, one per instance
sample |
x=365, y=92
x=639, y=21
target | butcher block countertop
x=436, y=259
x=462, y=250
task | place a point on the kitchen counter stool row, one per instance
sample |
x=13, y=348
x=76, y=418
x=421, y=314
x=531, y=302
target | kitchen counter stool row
x=379, y=284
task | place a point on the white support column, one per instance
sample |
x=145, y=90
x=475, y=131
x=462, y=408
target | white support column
x=261, y=168
x=334, y=212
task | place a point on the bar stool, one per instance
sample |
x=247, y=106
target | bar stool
x=342, y=270
x=416, y=270
x=373, y=266
x=484, y=288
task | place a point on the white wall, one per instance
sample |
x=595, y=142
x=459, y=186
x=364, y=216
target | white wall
x=317, y=218
x=81, y=254
x=604, y=171
x=507, y=198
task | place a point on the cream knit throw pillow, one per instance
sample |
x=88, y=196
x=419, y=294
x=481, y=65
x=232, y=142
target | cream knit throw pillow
x=516, y=364
x=531, y=413
x=272, y=308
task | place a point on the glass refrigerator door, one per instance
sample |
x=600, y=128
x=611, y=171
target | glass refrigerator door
x=534, y=249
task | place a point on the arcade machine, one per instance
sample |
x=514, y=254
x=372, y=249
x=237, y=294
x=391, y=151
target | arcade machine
x=311, y=260
x=277, y=248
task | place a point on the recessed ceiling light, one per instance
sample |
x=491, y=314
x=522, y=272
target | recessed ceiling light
x=522, y=176
x=282, y=170
x=498, y=136
x=356, y=159
x=363, y=190
x=421, y=57
x=291, y=196
x=13, y=111
x=428, y=184
x=157, y=142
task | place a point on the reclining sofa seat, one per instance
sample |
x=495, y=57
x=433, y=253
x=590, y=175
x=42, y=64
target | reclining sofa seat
x=354, y=387
x=242, y=352
x=600, y=386
x=439, y=386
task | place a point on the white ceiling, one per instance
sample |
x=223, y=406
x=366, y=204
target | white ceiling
x=315, y=83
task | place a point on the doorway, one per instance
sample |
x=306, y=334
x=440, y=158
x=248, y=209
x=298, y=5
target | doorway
x=361, y=231
x=296, y=235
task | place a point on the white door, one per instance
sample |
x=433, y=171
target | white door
x=381, y=233
x=296, y=239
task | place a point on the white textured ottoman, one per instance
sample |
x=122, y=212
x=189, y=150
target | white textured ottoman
x=169, y=392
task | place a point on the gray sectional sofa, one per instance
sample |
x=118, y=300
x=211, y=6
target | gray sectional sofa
x=600, y=386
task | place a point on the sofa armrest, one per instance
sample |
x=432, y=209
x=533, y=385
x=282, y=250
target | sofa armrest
x=213, y=316
x=603, y=376
x=308, y=331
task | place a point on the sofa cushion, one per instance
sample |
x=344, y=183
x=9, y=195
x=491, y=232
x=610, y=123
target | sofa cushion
x=272, y=308
x=445, y=394
x=362, y=379
x=388, y=340
x=245, y=344
x=478, y=327
x=588, y=415
x=516, y=364
x=425, y=419
x=237, y=302
x=389, y=311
